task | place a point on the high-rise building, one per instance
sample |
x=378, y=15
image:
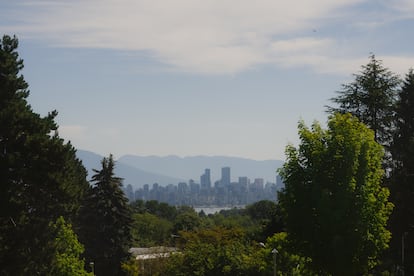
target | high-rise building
x=205, y=180
x=259, y=183
x=225, y=176
x=244, y=181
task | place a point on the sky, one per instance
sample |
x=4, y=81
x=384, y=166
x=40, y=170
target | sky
x=199, y=77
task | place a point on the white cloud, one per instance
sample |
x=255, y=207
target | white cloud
x=216, y=36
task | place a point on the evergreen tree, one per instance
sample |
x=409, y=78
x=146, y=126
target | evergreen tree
x=371, y=97
x=402, y=189
x=335, y=208
x=40, y=177
x=106, y=221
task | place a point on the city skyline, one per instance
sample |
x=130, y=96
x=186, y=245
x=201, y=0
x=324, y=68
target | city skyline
x=203, y=193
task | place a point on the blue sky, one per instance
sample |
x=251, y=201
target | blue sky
x=197, y=77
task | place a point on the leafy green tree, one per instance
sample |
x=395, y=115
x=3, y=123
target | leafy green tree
x=67, y=251
x=106, y=222
x=40, y=177
x=161, y=209
x=371, y=97
x=336, y=210
x=288, y=263
x=267, y=214
x=215, y=251
x=402, y=188
x=149, y=230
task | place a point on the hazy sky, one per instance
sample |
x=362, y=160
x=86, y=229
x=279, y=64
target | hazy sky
x=199, y=77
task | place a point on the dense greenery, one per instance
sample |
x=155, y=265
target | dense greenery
x=106, y=222
x=224, y=243
x=336, y=210
x=40, y=177
x=402, y=181
x=67, y=251
x=379, y=101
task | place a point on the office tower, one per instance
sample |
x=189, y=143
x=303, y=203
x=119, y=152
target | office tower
x=244, y=181
x=205, y=179
x=225, y=176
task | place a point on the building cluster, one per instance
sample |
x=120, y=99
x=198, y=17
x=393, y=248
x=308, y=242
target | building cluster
x=204, y=193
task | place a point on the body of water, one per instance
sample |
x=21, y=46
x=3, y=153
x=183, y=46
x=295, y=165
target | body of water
x=212, y=210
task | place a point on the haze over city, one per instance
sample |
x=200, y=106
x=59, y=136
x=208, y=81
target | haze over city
x=198, y=77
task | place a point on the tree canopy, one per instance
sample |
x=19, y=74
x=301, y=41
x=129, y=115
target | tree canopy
x=402, y=184
x=335, y=208
x=40, y=177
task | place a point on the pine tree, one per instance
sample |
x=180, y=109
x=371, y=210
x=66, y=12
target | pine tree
x=370, y=98
x=106, y=221
x=40, y=177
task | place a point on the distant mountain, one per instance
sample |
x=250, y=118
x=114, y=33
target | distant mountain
x=131, y=175
x=192, y=167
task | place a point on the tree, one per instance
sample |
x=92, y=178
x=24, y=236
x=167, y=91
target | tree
x=40, y=177
x=67, y=251
x=371, y=97
x=106, y=222
x=335, y=208
x=288, y=263
x=267, y=214
x=215, y=251
x=149, y=230
x=402, y=188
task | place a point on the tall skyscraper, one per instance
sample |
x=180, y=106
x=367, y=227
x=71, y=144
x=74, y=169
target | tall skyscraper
x=225, y=176
x=205, y=179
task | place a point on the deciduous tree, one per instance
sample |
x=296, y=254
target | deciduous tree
x=336, y=209
x=67, y=251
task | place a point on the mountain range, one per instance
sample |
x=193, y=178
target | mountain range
x=140, y=170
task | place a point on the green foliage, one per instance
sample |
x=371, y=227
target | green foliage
x=149, y=230
x=161, y=209
x=336, y=210
x=215, y=251
x=370, y=97
x=287, y=263
x=402, y=188
x=187, y=220
x=106, y=222
x=68, y=250
x=41, y=178
x=267, y=214
x=130, y=267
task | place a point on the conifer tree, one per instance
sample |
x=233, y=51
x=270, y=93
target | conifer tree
x=402, y=188
x=370, y=98
x=106, y=221
x=40, y=177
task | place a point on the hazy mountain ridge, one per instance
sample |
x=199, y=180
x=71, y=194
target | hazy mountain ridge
x=140, y=170
x=131, y=175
